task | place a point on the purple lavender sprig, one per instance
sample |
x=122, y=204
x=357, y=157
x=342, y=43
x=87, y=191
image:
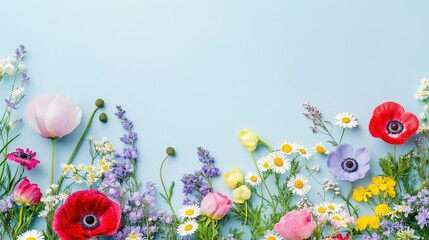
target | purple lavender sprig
x=199, y=183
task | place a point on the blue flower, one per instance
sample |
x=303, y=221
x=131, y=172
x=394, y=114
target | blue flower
x=346, y=163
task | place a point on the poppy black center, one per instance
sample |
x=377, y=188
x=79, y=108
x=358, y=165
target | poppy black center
x=23, y=155
x=395, y=127
x=89, y=221
x=349, y=165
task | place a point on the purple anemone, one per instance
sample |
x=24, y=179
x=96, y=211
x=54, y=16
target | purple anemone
x=346, y=163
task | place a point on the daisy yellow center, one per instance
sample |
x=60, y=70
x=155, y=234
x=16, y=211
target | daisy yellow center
x=331, y=207
x=105, y=167
x=336, y=218
x=31, y=238
x=253, y=178
x=189, y=212
x=299, y=184
x=345, y=120
x=266, y=165
x=89, y=168
x=189, y=227
x=278, y=162
x=321, y=210
x=271, y=238
x=320, y=149
x=133, y=236
x=302, y=151
x=92, y=175
x=287, y=148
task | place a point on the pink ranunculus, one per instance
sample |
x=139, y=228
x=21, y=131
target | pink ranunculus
x=215, y=205
x=296, y=225
x=53, y=116
x=27, y=193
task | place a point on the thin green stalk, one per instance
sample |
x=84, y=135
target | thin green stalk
x=167, y=195
x=79, y=143
x=263, y=181
x=266, y=145
x=342, y=135
x=52, y=159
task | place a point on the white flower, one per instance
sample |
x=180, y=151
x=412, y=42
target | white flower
x=334, y=207
x=319, y=148
x=264, y=164
x=424, y=82
x=31, y=235
x=253, y=179
x=190, y=211
x=406, y=234
x=17, y=92
x=134, y=236
x=278, y=162
x=187, y=228
x=288, y=147
x=315, y=168
x=271, y=235
x=303, y=151
x=423, y=116
x=299, y=185
x=320, y=209
x=346, y=120
x=8, y=68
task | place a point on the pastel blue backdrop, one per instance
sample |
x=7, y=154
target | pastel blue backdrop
x=193, y=73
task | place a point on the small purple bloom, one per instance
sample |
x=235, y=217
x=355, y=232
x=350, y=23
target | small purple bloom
x=10, y=105
x=346, y=163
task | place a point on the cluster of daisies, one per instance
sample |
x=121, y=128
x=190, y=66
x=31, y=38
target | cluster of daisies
x=103, y=151
x=334, y=214
x=188, y=215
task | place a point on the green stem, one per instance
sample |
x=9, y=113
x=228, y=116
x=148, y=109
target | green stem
x=79, y=143
x=18, y=226
x=266, y=145
x=263, y=181
x=167, y=196
x=342, y=135
x=52, y=159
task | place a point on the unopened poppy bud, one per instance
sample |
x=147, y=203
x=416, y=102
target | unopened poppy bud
x=102, y=117
x=170, y=151
x=99, y=103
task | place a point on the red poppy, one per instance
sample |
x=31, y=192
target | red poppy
x=86, y=214
x=26, y=158
x=392, y=124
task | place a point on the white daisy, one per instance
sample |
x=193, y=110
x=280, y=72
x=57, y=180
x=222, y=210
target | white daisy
x=190, y=211
x=319, y=148
x=288, y=147
x=320, y=209
x=271, y=235
x=31, y=235
x=279, y=163
x=134, y=236
x=303, y=151
x=334, y=207
x=264, y=164
x=253, y=179
x=187, y=228
x=346, y=120
x=299, y=185
x=340, y=219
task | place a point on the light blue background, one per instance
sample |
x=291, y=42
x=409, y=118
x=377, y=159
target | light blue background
x=193, y=73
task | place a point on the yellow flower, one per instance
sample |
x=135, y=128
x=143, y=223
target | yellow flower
x=360, y=194
x=233, y=178
x=361, y=223
x=382, y=209
x=378, y=185
x=241, y=194
x=370, y=222
x=248, y=139
x=390, y=182
x=373, y=222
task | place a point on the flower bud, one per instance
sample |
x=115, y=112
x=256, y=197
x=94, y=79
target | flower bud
x=99, y=103
x=102, y=117
x=170, y=151
x=248, y=139
x=215, y=205
x=27, y=193
x=233, y=178
x=241, y=194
